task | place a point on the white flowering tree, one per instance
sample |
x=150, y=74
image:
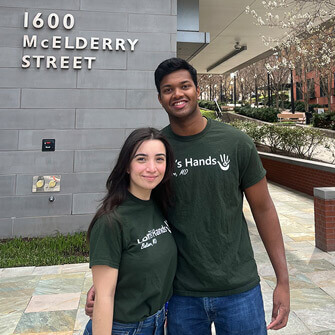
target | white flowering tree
x=307, y=42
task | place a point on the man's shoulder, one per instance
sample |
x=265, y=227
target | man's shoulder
x=165, y=129
x=228, y=131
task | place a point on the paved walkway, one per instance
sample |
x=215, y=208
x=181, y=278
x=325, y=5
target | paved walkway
x=50, y=300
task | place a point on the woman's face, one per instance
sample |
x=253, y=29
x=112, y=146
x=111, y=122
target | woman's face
x=147, y=168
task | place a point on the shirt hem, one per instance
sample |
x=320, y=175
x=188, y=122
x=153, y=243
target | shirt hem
x=196, y=294
x=112, y=265
x=255, y=181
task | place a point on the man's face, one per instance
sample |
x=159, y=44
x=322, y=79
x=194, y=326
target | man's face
x=179, y=95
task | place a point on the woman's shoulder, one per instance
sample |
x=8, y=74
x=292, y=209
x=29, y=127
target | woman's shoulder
x=107, y=221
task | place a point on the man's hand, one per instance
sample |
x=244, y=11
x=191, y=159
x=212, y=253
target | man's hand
x=90, y=302
x=281, y=307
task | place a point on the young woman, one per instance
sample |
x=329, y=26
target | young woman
x=132, y=252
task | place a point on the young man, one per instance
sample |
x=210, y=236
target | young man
x=216, y=278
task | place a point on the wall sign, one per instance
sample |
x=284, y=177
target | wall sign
x=55, y=42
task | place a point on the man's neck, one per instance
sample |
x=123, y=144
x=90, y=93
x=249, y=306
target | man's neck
x=190, y=126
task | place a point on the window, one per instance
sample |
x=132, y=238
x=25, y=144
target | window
x=298, y=91
x=311, y=88
x=323, y=87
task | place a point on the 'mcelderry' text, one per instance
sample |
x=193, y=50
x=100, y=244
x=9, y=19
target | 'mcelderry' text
x=67, y=43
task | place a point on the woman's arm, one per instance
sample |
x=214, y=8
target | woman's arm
x=104, y=281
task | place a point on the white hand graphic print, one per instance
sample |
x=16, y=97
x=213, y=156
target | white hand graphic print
x=224, y=162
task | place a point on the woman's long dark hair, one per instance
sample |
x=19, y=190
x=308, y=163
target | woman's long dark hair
x=118, y=181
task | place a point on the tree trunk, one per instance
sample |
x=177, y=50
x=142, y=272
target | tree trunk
x=305, y=91
x=329, y=93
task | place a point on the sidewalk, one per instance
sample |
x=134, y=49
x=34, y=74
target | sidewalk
x=50, y=300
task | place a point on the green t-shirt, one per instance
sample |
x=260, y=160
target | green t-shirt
x=215, y=256
x=136, y=240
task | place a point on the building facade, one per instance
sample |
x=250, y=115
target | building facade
x=76, y=77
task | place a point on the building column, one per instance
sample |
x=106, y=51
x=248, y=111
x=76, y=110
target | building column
x=324, y=216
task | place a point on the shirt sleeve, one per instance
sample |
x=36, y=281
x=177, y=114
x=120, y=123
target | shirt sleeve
x=251, y=167
x=106, y=242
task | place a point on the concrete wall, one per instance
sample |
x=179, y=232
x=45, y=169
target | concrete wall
x=88, y=112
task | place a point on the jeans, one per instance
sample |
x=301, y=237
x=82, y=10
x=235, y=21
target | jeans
x=152, y=325
x=237, y=314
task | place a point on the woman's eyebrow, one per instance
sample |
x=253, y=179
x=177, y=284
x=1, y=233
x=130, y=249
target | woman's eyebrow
x=140, y=154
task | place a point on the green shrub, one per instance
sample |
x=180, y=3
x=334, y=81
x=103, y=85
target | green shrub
x=267, y=114
x=208, y=104
x=208, y=114
x=296, y=141
x=51, y=250
x=324, y=120
x=252, y=129
x=299, y=106
x=330, y=145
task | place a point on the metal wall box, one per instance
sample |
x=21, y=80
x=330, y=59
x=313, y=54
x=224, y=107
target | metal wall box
x=48, y=144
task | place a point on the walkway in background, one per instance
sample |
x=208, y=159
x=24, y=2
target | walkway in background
x=50, y=300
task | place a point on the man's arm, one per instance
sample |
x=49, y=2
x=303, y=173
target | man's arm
x=268, y=226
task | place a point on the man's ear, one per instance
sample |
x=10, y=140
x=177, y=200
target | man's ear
x=198, y=92
x=159, y=98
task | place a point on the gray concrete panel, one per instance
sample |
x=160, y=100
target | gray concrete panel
x=6, y=228
x=37, y=118
x=35, y=205
x=11, y=17
x=10, y=98
x=129, y=130
x=7, y=185
x=10, y=37
x=120, y=118
x=36, y=162
x=72, y=139
x=326, y=193
x=114, y=79
x=99, y=79
x=129, y=6
x=142, y=99
x=86, y=203
x=95, y=160
x=8, y=139
x=173, y=7
x=70, y=183
x=152, y=23
x=109, y=61
x=10, y=57
x=173, y=43
x=42, y=78
x=52, y=225
x=101, y=21
x=147, y=60
x=41, y=4
x=72, y=98
x=160, y=119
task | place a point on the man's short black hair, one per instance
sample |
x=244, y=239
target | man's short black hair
x=171, y=65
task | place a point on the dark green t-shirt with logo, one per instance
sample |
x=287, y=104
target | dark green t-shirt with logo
x=136, y=239
x=215, y=256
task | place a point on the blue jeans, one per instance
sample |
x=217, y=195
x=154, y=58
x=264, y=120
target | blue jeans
x=238, y=314
x=152, y=325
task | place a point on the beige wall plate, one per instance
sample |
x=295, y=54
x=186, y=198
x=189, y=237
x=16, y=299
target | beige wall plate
x=46, y=183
